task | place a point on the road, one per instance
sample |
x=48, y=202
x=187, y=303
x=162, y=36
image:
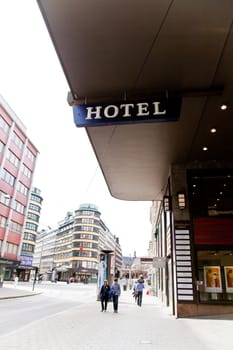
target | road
x=68, y=317
x=54, y=298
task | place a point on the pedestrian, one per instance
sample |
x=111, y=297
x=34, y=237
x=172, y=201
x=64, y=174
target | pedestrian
x=16, y=279
x=124, y=283
x=135, y=294
x=139, y=290
x=116, y=292
x=104, y=295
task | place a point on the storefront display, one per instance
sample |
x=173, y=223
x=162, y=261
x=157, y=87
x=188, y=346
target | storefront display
x=228, y=271
x=212, y=279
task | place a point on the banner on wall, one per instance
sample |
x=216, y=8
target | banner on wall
x=228, y=271
x=102, y=269
x=212, y=279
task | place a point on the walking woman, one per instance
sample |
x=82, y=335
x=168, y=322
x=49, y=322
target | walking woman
x=104, y=295
x=139, y=290
x=116, y=292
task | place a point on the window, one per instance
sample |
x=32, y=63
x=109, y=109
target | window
x=33, y=217
x=88, y=221
x=36, y=198
x=17, y=141
x=12, y=158
x=3, y=124
x=31, y=226
x=86, y=236
x=14, y=226
x=84, y=228
x=20, y=208
x=34, y=207
x=3, y=221
x=88, y=264
x=87, y=212
x=26, y=247
x=30, y=155
x=215, y=276
x=86, y=253
x=26, y=171
x=4, y=198
x=7, y=177
x=22, y=189
x=11, y=248
x=29, y=236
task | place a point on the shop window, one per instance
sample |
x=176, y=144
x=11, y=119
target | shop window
x=215, y=276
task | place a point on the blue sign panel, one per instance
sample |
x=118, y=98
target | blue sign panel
x=126, y=112
x=26, y=260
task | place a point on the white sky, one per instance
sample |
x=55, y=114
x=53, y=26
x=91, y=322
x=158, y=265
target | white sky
x=33, y=84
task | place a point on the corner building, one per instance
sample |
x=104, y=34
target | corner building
x=85, y=241
x=18, y=158
x=80, y=238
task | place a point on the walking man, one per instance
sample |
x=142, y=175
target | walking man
x=116, y=292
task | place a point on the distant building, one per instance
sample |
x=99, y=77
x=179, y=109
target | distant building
x=75, y=246
x=133, y=267
x=30, y=234
x=43, y=257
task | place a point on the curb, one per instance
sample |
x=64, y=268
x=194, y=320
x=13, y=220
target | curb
x=19, y=296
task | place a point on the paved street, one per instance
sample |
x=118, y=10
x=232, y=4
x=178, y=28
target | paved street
x=83, y=326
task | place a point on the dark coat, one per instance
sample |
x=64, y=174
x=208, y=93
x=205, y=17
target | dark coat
x=104, y=292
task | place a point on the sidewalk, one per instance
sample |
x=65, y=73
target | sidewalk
x=149, y=327
x=9, y=291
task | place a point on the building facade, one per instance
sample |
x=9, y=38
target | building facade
x=17, y=165
x=194, y=240
x=72, y=251
x=43, y=258
x=30, y=233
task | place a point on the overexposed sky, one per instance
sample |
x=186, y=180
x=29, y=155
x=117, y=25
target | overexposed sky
x=33, y=84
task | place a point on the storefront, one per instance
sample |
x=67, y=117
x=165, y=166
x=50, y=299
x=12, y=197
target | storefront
x=7, y=269
x=211, y=201
x=195, y=239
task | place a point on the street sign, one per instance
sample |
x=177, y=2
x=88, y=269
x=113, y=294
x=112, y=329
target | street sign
x=159, y=262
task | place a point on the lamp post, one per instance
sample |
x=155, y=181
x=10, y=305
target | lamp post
x=37, y=269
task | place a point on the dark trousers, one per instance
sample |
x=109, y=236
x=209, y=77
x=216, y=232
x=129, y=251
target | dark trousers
x=115, y=302
x=104, y=303
x=139, y=298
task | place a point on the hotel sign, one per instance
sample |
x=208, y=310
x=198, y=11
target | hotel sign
x=126, y=112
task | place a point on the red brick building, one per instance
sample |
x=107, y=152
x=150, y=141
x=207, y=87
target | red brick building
x=17, y=164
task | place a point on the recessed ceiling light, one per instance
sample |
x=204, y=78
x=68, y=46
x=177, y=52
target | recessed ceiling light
x=205, y=148
x=213, y=130
x=223, y=107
